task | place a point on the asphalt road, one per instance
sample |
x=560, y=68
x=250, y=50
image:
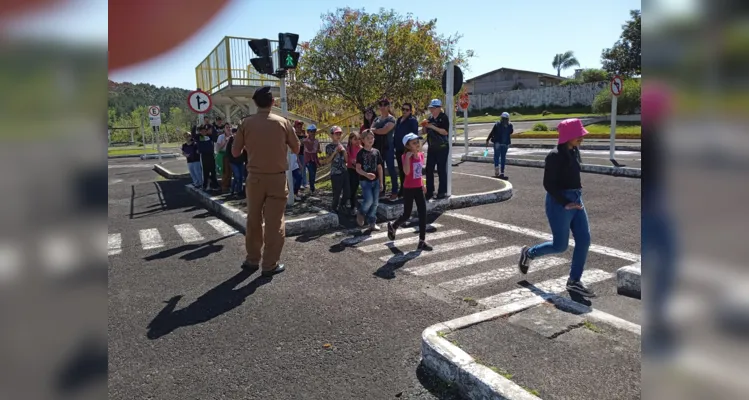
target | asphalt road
x=345, y=319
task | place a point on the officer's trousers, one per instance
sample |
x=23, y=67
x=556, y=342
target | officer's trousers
x=266, y=203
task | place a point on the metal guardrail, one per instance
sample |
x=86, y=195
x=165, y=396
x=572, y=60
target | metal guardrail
x=228, y=64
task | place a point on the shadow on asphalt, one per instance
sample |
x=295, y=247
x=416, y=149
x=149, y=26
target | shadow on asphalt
x=213, y=303
x=87, y=366
x=196, y=251
x=540, y=293
x=436, y=386
x=170, y=195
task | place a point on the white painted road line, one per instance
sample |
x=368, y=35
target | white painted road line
x=496, y=275
x=552, y=286
x=411, y=240
x=470, y=259
x=608, y=251
x=442, y=248
x=150, y=239
x=222, y=227
x=188, y=233
x=114, y=244
x=365, y=238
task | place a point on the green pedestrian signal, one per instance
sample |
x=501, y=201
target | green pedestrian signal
x=289, y=60
x=286, y=45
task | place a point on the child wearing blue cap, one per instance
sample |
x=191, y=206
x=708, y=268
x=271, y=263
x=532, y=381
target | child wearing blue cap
x=413, y=189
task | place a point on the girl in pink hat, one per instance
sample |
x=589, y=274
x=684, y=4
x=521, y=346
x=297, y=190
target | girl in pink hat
x=564, y=206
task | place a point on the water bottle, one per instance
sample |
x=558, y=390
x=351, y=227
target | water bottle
x=486, y=152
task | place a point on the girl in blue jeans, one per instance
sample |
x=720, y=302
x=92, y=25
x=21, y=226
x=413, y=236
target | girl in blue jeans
x=369, y=168
x=564, y=206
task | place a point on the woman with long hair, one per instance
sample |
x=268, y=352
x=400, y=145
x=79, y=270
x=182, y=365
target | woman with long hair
x=369, y=117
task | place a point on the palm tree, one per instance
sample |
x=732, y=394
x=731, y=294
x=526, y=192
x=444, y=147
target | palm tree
x=564, y=61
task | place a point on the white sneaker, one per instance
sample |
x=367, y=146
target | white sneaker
x=496, y=172
x=374, y=227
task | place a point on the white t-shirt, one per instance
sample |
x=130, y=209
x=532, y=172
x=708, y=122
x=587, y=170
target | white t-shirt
x=219, y=141
x=293, y=162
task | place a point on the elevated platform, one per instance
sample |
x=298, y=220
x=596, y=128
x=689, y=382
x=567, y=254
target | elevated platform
x=228, y=76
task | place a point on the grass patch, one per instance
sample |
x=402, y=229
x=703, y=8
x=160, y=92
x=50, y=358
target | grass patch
x=592, y=327
x=532, y=391
x=495, y=118
x=126, y=152
x=441, y=334
x=471, y=302
x=621, y=127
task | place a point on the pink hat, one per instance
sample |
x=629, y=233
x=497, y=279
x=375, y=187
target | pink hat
x=570, y=129
x=656, y=103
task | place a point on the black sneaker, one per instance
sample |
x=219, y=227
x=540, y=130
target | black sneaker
x=579, y=288
x=525, y=260
x=391, y=231
x=423, y=245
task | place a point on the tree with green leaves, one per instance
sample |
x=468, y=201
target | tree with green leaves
x=625, y=57
x=564, y=61
x=360, y=57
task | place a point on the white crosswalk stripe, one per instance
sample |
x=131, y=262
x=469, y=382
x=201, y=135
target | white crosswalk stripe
x=150, y=239
x=188, y=233
x=445, y=248
x=222, y=227
x=550, y=286
x=411, y=240
x=467, y=266
x=114, y=244
x=366, y=238
x=470, y=259
x=495, y=275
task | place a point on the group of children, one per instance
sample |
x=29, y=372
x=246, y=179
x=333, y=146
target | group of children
x=359, y=164
x=208, y=153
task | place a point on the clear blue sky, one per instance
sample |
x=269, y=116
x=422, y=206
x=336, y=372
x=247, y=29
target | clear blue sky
x=521, y=34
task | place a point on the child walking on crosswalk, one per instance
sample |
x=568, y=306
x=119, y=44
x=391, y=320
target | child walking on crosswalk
x=413, y=189
x=564, y=206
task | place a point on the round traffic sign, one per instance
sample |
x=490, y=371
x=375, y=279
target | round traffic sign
x=154, y=111
x=617, y=85
x=464, y=102
x=199, y=101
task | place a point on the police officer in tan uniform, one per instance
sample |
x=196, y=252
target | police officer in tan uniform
x=266, y=138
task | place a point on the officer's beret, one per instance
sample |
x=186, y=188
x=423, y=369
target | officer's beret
x=262, y=92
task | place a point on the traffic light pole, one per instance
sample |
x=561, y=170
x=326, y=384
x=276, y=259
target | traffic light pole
x=285, y=113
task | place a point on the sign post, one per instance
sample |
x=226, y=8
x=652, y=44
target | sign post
x=616, y=86
x=450, y=85
x=154, y=118
x=464, y=102
x=200, y=103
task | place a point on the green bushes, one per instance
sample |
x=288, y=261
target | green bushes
x=628, y=102
x=540, y=127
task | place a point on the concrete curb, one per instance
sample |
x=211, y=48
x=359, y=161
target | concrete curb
x=149, y=156
x=477, y=381
x=592, y=168
x=552, y=146
x=392, y=211
x=322, y=221
x=169, y=174
x=628, y=280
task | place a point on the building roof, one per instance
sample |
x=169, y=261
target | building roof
x=561, y=78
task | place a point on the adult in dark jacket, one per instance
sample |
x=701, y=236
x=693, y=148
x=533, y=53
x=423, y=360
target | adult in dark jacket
x=238, y=168
x=406, y=124
x=500, y=136
x=206, y=138
x=436, y=128
x=564, y=206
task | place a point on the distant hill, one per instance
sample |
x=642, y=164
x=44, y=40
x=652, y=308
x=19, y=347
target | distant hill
x=126, y=97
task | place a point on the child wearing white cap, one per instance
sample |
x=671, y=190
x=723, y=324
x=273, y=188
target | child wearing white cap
x=413, y=189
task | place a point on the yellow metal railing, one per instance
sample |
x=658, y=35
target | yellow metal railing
x=229, y=65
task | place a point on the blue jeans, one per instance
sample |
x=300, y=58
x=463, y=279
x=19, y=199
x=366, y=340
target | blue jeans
x=312, y=169
x=659, y=248
x=238, y=171
x=561, y=222
x=297, y=175
x=390, y=162
x=370, y=199
x=500, y=156
x=303, y=171
x=196, y=173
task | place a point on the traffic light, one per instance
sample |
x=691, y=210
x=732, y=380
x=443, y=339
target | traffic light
x=288, y=58
x=263, y=63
